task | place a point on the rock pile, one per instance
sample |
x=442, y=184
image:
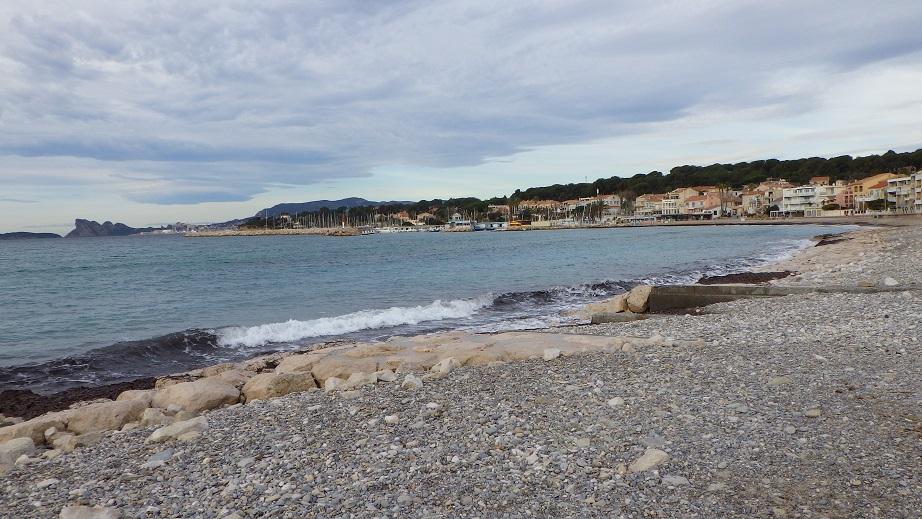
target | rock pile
x=635, y=301
x=176, y=401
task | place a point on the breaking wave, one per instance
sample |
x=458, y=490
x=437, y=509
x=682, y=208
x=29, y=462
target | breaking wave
x=294, y=330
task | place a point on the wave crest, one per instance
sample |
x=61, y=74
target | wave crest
x=294, y=330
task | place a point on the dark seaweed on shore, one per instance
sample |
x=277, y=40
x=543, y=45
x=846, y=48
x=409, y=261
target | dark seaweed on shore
x=745, y=278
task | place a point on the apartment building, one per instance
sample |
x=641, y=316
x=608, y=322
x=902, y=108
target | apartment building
x=810, y=199
x=900, y=194
x=649, y=205
x=856, y=194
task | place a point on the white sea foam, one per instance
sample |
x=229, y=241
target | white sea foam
x=294, y=330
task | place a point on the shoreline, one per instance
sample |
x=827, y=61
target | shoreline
x=875, y=221
x=12, y=400
x=800, y=405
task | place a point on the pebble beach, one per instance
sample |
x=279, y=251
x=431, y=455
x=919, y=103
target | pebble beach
x=806, y=405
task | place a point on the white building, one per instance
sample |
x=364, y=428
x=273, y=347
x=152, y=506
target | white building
x=809, y=199
x=900, y=194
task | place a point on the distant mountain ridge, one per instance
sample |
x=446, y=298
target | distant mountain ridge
x=315, y=205
x=90, y=229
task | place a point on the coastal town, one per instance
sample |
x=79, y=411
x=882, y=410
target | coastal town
x=879, y=194
x=778, y=200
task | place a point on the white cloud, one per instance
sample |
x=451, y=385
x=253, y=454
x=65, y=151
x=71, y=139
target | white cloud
x=224, y=101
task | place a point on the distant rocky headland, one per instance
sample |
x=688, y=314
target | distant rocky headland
x=90, y=228
x=27, y=235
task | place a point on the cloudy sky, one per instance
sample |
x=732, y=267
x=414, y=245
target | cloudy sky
x=153, y=112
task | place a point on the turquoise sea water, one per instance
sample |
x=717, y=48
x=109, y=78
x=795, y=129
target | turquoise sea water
x=95, y=310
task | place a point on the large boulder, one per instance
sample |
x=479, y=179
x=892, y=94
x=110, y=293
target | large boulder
x=13, y=449
x=197, y=396
x=343, y=365
x=357, y=380
x=271, y=385
x=217, y=369
x=179, y=429
x=154, y=416
x=234, y=377
x=296, y=363
x=444, y=367
x=637, y=298
x=614, y=305
x=104, y=416
x=144, y=395
x=35, y=428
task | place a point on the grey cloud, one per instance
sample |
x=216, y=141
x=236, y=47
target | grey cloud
x=217, y=101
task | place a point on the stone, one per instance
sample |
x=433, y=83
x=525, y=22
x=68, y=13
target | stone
x=197, y=396
x=582, y=443
x=386, y=375
x=613, y=305
x=333, y=384
x=615, y=402
x=217, y=369
x=52, y=454
x=178, y=429
x=790, y=429
x=163, y=455
x=391, y=419
x=296, y=363
x=272, y=385
x=182, y=416
x=88, y=439
x=89, y=512
x=551, y=354
x=779, y=381
x=890, y=282
x=341, y=364
x=357, y=380
x=411, y=382
x=144, y=395
x=105, y=416
x=35, y=428
x=154, y=416
x=150, y=465
x=445, y=366
x=674, y=481
x=650, y=459
x=11, y=450
x=65, y=443
x=637, y=298
x=45, y=483
x=234, y=377
x=813, y=412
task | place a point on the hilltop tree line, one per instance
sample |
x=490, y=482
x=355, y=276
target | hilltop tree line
x=737, y=175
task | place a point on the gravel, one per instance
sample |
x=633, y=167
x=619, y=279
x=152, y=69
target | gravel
x=801, y=406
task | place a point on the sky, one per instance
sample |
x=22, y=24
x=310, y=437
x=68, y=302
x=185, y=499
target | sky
x=159, y=111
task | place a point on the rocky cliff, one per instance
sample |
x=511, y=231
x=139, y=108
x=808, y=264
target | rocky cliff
x=89, y=228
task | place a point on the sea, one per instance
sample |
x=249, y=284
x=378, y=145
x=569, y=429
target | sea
x=91, y=311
